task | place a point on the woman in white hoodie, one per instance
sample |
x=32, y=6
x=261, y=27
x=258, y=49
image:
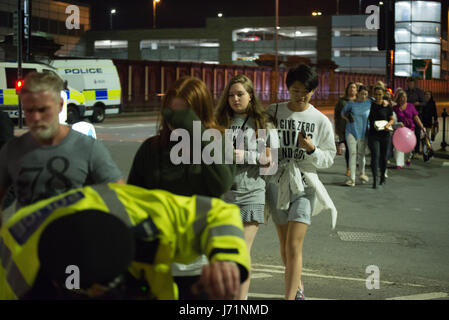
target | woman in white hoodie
x=295, y=193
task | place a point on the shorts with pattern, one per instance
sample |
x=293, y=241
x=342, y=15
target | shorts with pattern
x=252, y=213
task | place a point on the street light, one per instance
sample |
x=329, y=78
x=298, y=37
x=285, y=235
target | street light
x=154, y=12
x=113, y=11
x=316, y=13
x=276, y=50
x=220, y=14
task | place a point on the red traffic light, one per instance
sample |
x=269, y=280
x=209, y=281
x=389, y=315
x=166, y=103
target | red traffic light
x=19, y=85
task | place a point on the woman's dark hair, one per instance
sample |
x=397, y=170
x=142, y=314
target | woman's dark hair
x=431, y=96
x=379, y=88
x=347, y=88
x=304, y=74
x=361, y=88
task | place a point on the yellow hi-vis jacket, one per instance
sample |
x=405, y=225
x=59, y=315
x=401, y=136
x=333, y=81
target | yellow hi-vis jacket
x=187, y=227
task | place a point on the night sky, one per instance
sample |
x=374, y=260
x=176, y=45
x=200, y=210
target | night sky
x=136, y=14
x=132, y=14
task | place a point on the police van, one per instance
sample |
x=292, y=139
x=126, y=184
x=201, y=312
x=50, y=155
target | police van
x=97, y=79
x=9, y=100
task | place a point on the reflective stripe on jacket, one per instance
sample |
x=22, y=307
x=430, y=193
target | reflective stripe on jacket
x=187, y=227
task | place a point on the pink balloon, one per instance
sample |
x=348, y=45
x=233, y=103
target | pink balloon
x=404, y=139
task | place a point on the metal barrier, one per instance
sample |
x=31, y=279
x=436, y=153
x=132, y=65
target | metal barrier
x=443, y=142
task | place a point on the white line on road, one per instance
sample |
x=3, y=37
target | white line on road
x=277, y=296
x=277, y=267
x=267, y=270
x=317, y=275
x=260, y=275
x=423, y=296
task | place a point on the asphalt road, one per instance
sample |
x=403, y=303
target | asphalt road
x=401, y=229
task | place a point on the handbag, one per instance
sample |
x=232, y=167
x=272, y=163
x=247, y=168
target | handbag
x=349, y=115
x=379, y=125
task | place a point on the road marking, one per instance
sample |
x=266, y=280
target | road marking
x=277, y=267
x=280, y=269
x=260, y=275
x=278, y=296
x=268, y=270
x=423, y=296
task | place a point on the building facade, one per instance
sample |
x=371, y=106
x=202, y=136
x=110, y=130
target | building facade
x=49, y=18
x=346, y=40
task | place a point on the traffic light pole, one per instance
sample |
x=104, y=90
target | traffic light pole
x=19, y=56
x=27, y=28
x=389, y=42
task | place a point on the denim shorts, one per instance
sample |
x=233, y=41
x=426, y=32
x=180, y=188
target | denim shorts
x=300, y=209
x=252, y=213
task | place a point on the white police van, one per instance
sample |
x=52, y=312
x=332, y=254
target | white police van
x=9, y=100
x=97, y=79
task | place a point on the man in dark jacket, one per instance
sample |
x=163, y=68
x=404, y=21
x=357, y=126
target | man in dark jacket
x=415, y=96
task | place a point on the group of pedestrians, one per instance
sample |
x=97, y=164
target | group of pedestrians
x=193, y=223
x=122, y=239
x=362, y=121
x=190, y=223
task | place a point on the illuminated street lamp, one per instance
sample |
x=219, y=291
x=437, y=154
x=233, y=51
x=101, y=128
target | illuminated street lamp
x=316, y=13
x=154, y=12
x=113, y=11
x=220, y=14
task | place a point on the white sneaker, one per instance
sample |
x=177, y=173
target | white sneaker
x=386, y=173
x=364, y=178
x=350, y=183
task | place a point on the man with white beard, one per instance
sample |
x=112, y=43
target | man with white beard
x=50, y=158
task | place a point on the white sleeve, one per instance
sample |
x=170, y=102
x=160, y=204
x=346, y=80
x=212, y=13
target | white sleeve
x=325, y=150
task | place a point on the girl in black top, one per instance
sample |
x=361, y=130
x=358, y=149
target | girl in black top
x=379, y=140
x=429, y=112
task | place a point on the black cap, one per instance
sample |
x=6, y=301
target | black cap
x=98, y=243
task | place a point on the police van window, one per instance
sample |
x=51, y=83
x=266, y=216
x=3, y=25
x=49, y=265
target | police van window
x=11, y=76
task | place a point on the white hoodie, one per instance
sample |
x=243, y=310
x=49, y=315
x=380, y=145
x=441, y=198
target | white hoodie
x=294, y=160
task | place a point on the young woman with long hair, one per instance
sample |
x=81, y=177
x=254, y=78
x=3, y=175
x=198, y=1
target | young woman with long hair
x=188, y=100
x=240, y=110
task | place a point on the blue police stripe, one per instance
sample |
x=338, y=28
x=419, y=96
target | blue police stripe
x=23, y=229
x=101, y=95
x=68, y=94
x=1, y=96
